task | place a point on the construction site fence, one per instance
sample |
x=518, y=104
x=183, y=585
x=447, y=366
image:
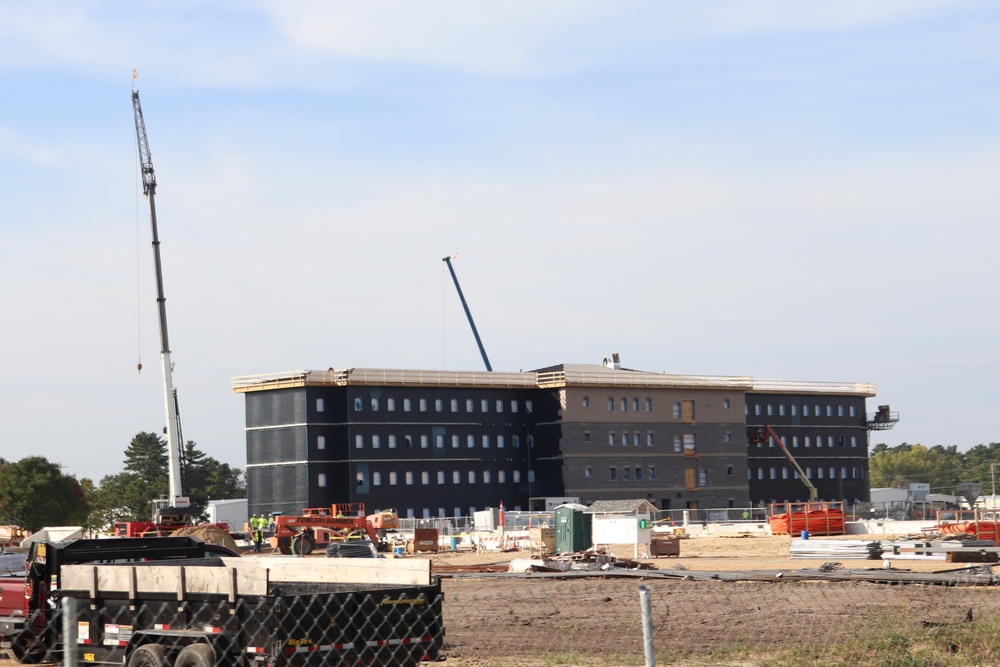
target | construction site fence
x=502, y=621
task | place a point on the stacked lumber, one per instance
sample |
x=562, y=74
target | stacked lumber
x=839, y=549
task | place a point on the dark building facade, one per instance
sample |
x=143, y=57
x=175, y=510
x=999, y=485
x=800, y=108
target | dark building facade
x=824, y=426
x=437, y=443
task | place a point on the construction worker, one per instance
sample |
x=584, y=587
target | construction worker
x=257, y=524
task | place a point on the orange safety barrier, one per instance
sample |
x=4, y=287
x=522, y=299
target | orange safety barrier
x=816, y=522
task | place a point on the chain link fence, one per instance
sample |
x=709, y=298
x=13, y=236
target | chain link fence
x=592, y=621
x=534, y=620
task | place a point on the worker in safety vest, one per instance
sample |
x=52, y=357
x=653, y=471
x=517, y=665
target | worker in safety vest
x=257, y=524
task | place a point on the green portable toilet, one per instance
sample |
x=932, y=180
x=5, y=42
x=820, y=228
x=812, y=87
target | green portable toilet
x=572, y=529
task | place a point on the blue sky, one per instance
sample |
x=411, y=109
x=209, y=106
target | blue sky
x=786, y=190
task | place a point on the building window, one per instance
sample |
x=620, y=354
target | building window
x=809, y=473
x=819, y=472
x=484, y=406
x=636, y=439
x=624, y=404
x=756, y=409
x=611, y=404
x=376, y=441
x=649, y=404
x=729, y=470
x=515, y=441
x=454, y=405
x=499, y=405
x=677, y=411
x=501, y=477
x=455, y=441
x=805, y=440
x=586, y=436
x=794, y=410
x=392, y=479
x=652, y=473
x=472, y=477
x=320, y=405
x=726, y=404
x=611, y=438
x=795, y=441
x=440, y=476
x=359, y=441
x=409, y=478
x=760, y=473
x=407, y=405
x=833, y=473
x=376, y=479
x=638, y=474
x=588, y=472
x=770, y=410
x=624, y=439
x=805, y=410
x=513, y=405
x=586, y=401
x=635, y=404
x=781, y=409
x=374, y=404
x=424, y=444
x=516, y=476
x=829, y=410
x=649, y=439
x=439, y=441
x=423, y=405
x=852, y=411
x=678, y=444
x=320, y=442
x=840, y=410
x=728, y=437
x=392, y=442
x=690, y=446
x=500, y=442
x=390, y=404
x=470, y=405
x=456, y=477
x=470, y=441
x=614, y=474
x=486, y=477
x=425, y=477
x=829, y=441
x=529, y=407
x=321, y=479
x=854, y=441
x=486, y=441
x=627, y=474
x=438, y=405
x=358, y=405
x=774, y=472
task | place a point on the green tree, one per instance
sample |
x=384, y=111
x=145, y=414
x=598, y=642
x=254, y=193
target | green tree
x=34, y=493
x=939, y=466
x=205, y=478
x=146, y=457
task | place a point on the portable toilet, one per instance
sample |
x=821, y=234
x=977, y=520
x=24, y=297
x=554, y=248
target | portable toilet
x=572, y=529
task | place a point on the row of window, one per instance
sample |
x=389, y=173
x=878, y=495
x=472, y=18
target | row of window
x=392, y=442
x=815, y=410
x=423, y=405
x=829, y=473
x=681, y=409
x=409, y=477
x=807, y=441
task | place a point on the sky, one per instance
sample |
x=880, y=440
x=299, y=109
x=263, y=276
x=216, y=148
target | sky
x=776, y=189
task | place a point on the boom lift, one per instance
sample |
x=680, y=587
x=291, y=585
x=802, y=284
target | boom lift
x=759, y=435
x=172, y=511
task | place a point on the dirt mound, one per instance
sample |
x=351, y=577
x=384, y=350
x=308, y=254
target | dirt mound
x=210, y=535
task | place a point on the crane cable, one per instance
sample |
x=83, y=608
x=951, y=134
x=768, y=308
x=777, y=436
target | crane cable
x=138, y=252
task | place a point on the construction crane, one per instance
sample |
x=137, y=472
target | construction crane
x=176, y=503
x=759, y=435
x=468, y=313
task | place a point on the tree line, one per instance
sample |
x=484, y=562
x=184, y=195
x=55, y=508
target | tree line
x=35, y=493
x=944, y=468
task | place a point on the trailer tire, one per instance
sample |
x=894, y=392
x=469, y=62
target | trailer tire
x=28, y=648
x=149, y=655
x=302, y=545
x=195, y=655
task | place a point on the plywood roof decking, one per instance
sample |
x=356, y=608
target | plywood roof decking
x=553, y=377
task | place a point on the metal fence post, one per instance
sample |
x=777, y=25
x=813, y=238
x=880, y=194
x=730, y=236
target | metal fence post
x=647, y=627
x=68, y=608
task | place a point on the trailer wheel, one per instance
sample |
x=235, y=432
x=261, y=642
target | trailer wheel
x=302, y=545
x=28, y=647
x=195, y=655
x=149, y=655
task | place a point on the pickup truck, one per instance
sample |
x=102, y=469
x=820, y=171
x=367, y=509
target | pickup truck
x=148, y=608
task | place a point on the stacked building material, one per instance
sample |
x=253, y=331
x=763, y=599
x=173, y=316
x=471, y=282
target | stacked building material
x=839, y=549
x=829, y=521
